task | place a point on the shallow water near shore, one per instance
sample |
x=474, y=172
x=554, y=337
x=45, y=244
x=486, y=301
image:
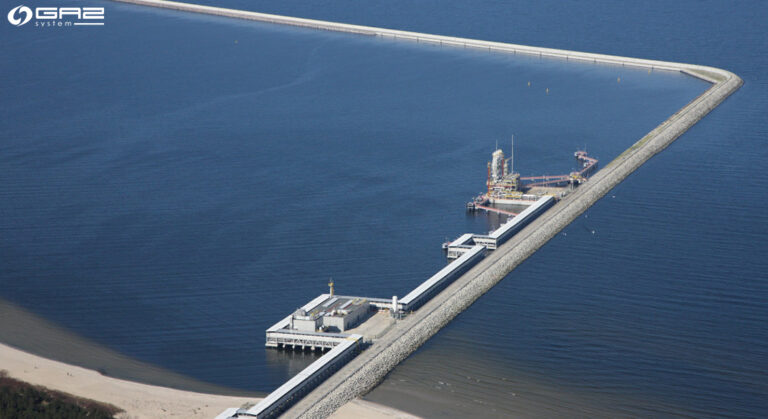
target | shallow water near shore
x=207, y=182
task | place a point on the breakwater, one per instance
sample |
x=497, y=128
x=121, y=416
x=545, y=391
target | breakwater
x=365, y=372
x=709, y=74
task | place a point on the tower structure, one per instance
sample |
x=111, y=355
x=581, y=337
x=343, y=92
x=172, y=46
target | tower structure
x=497, y=165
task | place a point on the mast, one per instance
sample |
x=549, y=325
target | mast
x=512, y=155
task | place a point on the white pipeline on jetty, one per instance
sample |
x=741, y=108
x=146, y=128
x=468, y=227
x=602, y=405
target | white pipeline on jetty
x=436, y=282
x=301, y=383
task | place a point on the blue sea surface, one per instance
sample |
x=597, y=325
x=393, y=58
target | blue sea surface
x=172, y=184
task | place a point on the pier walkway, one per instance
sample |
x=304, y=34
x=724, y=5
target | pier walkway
x=496, y=210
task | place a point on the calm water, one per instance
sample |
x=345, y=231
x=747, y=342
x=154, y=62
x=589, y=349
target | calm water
x=173, y=184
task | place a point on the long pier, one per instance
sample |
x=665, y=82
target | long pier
x=369, y=368
x=364, y=373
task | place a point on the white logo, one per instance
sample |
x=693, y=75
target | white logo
x=49, y=17
x=18, y=21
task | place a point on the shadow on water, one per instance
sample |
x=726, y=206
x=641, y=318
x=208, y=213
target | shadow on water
x=26, y=331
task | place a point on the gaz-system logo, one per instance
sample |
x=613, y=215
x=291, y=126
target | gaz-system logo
x=57, y=16
x=18, y=11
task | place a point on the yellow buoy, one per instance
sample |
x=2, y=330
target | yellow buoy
x=529, y=84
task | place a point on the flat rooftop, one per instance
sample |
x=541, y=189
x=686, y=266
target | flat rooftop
x=322, y=305
x=336, y=303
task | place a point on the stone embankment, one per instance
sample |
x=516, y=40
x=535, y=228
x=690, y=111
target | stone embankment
x=712, y=75
x=367, y=370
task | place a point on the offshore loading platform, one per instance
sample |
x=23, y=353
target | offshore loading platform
x=506, y=187
x=341, y=326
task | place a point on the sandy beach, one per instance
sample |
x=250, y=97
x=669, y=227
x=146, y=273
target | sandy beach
x=144, y=401
x=140, y=401
x=19, y=327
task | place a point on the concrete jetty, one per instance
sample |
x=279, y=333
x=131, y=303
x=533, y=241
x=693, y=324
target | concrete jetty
x=364, y=372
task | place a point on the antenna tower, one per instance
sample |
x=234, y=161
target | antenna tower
x=512, y=155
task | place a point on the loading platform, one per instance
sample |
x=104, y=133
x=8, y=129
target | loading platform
x=507, y=187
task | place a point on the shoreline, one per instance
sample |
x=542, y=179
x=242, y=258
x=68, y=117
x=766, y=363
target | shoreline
x=29, y=332
x=139, y=401
x=147, y=401
x=39, y=352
